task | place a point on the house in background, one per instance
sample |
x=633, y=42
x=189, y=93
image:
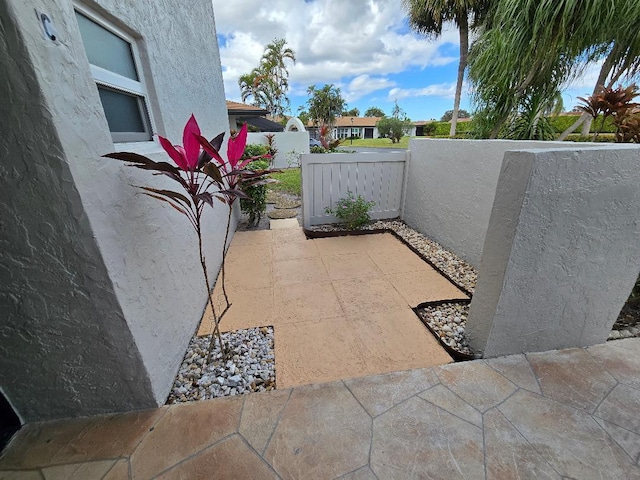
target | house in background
x=100, y=289
x=240, y=113
x=362, y=127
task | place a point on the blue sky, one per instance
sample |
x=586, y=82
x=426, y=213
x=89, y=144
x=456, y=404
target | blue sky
x=362, y=46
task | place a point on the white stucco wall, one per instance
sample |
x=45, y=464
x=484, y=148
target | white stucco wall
x=562, y=251
x=140, y=264
x=451, y=186
x=285, y=142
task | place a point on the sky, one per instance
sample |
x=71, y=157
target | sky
x=364, y=47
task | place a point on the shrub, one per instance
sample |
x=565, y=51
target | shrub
x=256, y=204
x=393, y=128
x=317, y=149
x=354, y=211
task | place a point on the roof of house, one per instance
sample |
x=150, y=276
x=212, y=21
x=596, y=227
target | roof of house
x=237, y=108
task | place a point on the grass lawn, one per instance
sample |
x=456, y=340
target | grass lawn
x=376, y=142
x=290, y=179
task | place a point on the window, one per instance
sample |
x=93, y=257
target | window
x=121, y=89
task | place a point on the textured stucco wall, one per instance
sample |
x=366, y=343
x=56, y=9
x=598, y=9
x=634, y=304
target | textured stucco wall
x=285, y=142
x=133, y=260
x=450, y=189
x=562, y=251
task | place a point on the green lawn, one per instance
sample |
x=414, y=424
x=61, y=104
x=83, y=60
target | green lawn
x=376, y=142
x=290, y=179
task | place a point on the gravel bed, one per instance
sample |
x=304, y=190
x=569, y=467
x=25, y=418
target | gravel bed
x=251, y=367
x=463, y=274
x=449, y=321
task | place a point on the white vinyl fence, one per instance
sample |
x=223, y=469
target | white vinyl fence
x=378, y=177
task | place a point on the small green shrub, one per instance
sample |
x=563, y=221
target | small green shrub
x=318, y=149
x=256, y=204
x=354, y=211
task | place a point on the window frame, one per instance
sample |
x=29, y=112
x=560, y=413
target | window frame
x=119, y=83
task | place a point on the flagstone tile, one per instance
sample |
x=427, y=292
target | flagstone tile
x=509, y=455
x=78, y=471
x=323, y=433
x=228, y=459
x=628, y=440
x=572, y=376
x=120, y=471
x=350, y=265
x=516, y=368
x=620, y=358
x=379, y=393
x=381, y=242
x=183, y=431
x=444, y=398
x=260, y=415
x=286, y=235
x=426, y=285
x=568, y=438
x=622, y=407
x=363, y=473
x=20, y=475
x=417, y=440
x=476, y=383
x=246, y=276
x=78, y=440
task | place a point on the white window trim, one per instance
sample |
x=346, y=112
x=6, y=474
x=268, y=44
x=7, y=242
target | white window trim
x=114, y=81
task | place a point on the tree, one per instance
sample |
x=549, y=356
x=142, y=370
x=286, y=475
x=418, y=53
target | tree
x=374, y=112
x=354, y=112
x=448, y=115
x=429, y=16
x=303, y=115
x=325, y=104
x=394, y=128
x=268, y=83
x=529, y=48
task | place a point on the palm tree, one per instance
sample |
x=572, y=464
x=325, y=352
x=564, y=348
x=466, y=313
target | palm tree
x=268, y=83
x=528, y=45
x=429, y=16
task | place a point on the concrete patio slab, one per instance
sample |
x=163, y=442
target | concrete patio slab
x=415, y=424
x=335, y=313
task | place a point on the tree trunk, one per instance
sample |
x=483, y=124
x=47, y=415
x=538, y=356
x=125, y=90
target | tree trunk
x=586, y=119
x=463, y=26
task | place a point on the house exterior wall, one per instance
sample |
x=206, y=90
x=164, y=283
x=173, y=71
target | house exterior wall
x=105, y=292
x=562, y=251
x=451, y=187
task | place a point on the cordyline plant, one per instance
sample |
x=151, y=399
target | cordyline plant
x=202, y=181
x=618, y=104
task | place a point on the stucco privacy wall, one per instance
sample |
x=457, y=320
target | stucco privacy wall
x=289, y=145
x=450, y=189
x=127, y=260
x=562, y=251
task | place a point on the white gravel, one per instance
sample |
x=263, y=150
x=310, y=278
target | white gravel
x=449, y=321
x=251, y=367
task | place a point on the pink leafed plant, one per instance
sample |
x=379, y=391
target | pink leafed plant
x=201, y=181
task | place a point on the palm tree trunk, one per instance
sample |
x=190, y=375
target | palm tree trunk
x=463, y=27
x=586, y=119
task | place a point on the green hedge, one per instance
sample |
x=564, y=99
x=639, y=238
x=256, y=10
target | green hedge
x=442, y=128
x=561, y=123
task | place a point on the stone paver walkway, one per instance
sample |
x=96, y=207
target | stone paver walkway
x=571, y=414
x=340, y=307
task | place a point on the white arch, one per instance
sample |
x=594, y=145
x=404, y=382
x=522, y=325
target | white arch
x=294, y=124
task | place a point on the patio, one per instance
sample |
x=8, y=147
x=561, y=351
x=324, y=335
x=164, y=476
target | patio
x=561, y=414
x=340, y=307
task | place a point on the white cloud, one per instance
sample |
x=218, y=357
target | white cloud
x=447, y=90
x=354, y=44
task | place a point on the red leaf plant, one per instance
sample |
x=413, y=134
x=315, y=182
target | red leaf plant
x=202, y=180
